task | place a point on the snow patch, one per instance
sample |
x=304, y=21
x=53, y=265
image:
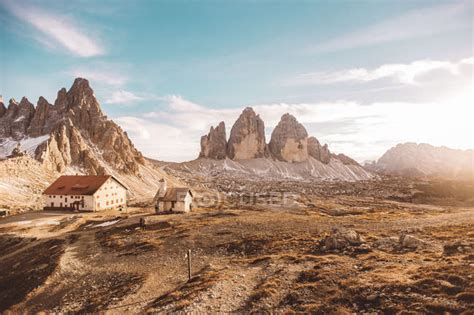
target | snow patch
x=108, y=223
x=19, y=119
x=27, y=144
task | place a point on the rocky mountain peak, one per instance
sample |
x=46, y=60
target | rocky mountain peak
x=61, y=99
x=38, y=121
x=15, y=121
x=80, y=98
x=289, y=140
x=214, y=144
x=247, y=137
x=413, y=159
x=72, y=132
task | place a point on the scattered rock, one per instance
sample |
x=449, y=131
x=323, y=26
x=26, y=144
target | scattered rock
x=348, y=240
x=409, y=241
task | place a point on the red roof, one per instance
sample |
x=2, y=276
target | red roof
x=78, y=185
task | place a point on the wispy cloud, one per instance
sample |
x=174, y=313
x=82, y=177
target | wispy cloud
x=54, y=29
x=417, y=23
x=101, y=74
x=402, y=73
x=361, y=130
x=123, y=97
x=111, y=81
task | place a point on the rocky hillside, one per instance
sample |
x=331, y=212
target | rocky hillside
x=412, y=159
x=72, y=135
x=290, y=154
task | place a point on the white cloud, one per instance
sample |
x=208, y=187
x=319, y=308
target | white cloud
x=363, y=131
x=100, y=74
x=123, y=97
x=402, y=73
x=56, y=30
x=414, y=24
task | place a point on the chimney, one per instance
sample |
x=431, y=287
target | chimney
x=162, y=188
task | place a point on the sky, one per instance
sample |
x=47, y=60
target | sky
x=361, y=76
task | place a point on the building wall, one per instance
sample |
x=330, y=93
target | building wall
x=110, y=195
x=67, y=202
x=180, y=206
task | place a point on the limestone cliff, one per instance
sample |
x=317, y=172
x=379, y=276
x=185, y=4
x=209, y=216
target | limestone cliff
x=318, y=151
x=247, y=137
x=214, y=144
x=289, y=141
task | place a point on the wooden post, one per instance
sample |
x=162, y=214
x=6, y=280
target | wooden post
x=189, y=264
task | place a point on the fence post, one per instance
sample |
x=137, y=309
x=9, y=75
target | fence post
x=189, y=264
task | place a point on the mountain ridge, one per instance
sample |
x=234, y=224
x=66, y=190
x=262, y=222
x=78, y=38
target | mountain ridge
x=422, y=159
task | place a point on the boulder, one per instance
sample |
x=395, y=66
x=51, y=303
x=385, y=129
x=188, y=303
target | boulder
x=214, y=144
x=154, y=220
x=247, y=137
x=341, y=239
x=289, y=141
x=409, y=241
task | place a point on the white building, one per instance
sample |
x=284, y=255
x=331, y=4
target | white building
x=86, y=193
x=179, y=199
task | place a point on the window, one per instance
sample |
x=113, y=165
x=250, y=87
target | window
x=65, y=199
x=107, y=203
x=98, y=205
x=121, y=199
x=52, y=204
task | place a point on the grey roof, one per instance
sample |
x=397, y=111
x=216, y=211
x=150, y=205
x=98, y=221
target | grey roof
x=175, y=194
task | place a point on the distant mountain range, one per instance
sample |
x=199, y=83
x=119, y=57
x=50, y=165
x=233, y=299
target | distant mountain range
x=290, y=154
x=73, y=135
x=418, y=160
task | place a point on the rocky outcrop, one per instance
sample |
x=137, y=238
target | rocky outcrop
x=79, y=133
x=3, y=109
x=345, y=159
x=214, y=144
x=289, y=141
x=39, y=119
x=318, y=151
x=247, y=137
x=16, y=119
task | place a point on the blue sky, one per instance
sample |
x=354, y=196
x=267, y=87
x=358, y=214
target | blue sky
x=361, y=75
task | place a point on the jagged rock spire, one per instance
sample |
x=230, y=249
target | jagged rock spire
x=289, y=140
x=214, y=144
x=247, y=137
